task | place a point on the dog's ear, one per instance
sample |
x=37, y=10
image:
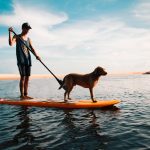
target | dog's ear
x=96, y=71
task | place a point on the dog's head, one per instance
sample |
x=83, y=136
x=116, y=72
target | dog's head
x=99, y=71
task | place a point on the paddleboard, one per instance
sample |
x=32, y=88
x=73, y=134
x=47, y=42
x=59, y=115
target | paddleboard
x=60, y=104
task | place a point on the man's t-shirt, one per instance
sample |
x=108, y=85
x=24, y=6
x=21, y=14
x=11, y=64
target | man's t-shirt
x=22, y=52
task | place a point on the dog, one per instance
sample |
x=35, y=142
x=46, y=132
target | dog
x=86, y=80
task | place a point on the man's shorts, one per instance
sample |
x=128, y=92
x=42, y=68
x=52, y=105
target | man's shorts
x=24, y=70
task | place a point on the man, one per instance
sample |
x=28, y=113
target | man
x=23, y=57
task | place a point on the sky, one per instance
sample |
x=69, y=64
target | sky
x=79, y=35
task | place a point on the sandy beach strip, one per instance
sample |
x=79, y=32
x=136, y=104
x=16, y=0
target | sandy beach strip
x=34, y=76
x=46, y=76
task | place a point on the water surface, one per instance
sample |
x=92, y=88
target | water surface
x=126, y=126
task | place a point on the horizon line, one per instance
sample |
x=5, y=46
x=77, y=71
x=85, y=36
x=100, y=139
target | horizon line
x=44, y=76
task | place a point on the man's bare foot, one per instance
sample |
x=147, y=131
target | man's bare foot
x=94, y=101
x=28, y=97
x=22, y=97
x=65, y=101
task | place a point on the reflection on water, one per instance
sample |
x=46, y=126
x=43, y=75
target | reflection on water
x=24, y=134
x=82, y=130
x=122, y=127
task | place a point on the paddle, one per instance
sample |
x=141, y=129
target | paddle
x=58, y=80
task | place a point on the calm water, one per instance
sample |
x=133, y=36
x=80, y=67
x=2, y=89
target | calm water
x=123, y=128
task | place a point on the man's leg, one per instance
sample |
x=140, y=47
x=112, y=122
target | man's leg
x=22, y=81
x=26, y=87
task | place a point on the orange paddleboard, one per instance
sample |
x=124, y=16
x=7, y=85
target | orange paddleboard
x=55, y=104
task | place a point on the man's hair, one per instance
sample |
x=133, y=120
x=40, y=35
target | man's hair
x=26, y=26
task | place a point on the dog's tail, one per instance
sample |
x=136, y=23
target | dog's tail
x=62, y=85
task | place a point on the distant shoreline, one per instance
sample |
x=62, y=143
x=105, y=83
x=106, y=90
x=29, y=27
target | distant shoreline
x=46, y=76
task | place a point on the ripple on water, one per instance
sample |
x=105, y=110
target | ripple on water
x=83, y=129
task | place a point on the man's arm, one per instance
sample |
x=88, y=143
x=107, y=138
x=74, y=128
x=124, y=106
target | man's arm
x=33, y=50
x=12, y=39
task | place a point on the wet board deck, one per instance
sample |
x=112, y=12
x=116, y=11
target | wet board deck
x=60, y=104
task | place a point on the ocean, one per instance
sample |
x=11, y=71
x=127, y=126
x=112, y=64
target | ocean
x=124, y=127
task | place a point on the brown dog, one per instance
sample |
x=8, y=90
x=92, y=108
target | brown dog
x=86, y=81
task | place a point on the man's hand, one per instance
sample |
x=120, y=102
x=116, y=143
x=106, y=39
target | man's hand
x=38, y=58
x=10, y=29
x=12, y=39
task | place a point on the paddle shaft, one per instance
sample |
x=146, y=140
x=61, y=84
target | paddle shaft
x=59, y=81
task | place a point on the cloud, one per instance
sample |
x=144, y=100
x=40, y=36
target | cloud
x=142, y=11
x=36, y=16
x=3, y=41
x=40, y=20
x=106, y=41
